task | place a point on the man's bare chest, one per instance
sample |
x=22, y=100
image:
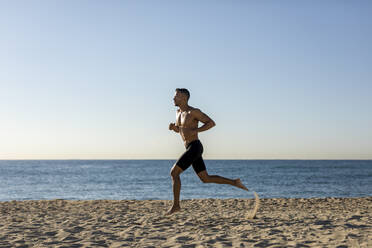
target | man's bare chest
x=185, y=119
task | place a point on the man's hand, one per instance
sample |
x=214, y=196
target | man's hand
x=173, y=127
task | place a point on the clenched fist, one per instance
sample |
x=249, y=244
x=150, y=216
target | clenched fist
x=173, y=127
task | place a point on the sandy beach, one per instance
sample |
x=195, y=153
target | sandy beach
x=325, y=222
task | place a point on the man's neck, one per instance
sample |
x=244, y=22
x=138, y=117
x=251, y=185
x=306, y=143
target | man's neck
x=184, y=107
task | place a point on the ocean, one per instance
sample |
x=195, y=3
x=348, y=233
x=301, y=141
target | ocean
x=150, y=179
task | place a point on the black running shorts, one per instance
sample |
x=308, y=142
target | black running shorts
x=192, y=155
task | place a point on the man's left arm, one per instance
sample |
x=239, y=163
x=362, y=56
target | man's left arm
x=208, y=122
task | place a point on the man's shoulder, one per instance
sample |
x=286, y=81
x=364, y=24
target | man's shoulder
x=191, y=108
x=195, y=110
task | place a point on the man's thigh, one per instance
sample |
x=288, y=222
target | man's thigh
x=185, y=160
x=199, y=165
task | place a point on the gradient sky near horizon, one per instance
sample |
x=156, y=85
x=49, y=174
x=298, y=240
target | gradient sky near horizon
x=95, y=79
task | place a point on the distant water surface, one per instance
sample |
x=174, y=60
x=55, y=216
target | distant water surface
x=149, y=179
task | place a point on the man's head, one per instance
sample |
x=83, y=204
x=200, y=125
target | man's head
x=181, y=96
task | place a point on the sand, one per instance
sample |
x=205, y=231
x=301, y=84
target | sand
x=327, y=222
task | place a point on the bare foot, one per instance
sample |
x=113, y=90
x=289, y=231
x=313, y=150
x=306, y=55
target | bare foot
x=239, y=184
x=173, y=210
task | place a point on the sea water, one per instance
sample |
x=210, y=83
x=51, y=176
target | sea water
x=150, y=179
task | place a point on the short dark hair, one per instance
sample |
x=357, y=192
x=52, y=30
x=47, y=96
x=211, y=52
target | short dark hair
x=184, y=91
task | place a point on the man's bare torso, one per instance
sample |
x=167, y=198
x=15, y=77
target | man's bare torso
x=187, y=124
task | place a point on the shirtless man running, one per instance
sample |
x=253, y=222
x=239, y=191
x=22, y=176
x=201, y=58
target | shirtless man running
x=186, y=125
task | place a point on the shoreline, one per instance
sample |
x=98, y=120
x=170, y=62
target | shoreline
x=290, y=222
x=188, y=199
x=104, y=199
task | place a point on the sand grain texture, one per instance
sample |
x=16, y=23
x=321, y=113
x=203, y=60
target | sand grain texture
x=327, y=222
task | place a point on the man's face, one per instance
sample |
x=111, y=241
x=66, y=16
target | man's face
x=178, y=98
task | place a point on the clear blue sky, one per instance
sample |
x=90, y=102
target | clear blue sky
x=95, y=79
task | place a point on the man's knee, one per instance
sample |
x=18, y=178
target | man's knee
x=175, y=171
x=204, y=178
x=174, y=174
